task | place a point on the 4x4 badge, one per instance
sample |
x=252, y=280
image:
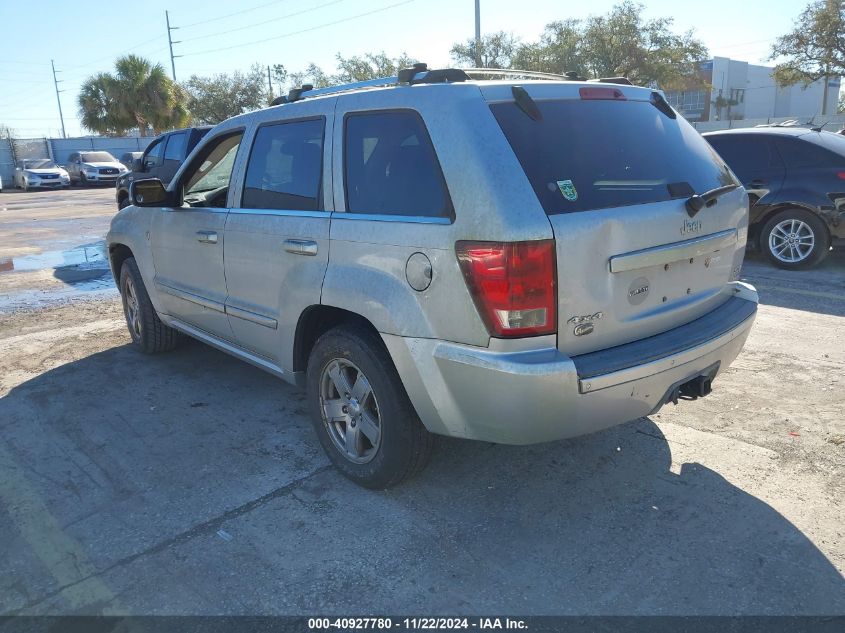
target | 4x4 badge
x=586, y=318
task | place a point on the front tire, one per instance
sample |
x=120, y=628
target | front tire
x=148, y=332
x=795, y=239
x=83, y=181
x=361, y=412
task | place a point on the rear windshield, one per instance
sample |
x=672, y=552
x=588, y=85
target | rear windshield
x=593, y=154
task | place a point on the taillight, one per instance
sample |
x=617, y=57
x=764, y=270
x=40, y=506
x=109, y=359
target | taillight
x=513, y=285
x=841, y=175
x=602, y=93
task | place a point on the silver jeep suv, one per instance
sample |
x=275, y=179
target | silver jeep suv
x=513, y=261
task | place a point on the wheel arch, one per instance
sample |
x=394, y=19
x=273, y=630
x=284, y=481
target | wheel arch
x=758, y=225
x=118, y=253
x=315, y=321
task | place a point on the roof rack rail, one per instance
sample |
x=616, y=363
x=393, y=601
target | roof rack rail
x=420, y=74
x=417, y=74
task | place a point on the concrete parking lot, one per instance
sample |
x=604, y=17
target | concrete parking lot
x=192, y=483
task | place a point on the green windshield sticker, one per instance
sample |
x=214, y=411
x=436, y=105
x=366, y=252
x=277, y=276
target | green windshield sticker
x=568, y=190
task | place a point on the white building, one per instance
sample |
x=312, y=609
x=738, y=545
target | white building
x=747, y=91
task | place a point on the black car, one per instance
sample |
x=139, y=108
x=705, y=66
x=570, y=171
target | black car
x=161, y=159
x=795, y=178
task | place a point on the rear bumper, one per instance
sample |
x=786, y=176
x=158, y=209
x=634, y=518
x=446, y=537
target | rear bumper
x=540, y=395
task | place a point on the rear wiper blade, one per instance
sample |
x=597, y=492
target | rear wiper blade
x=696, y=202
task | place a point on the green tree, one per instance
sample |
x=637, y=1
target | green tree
x=350, y=69
x=496, y=50
x=620, y=43
x=624, y=44
x=815, y=47
x=138, y=94
x=217, y=98
x=558, y=50
x=313, y=75
x=369, y=66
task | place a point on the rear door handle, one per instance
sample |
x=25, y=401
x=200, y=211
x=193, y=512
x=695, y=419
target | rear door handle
x=757, y=183
x=207, y=237
x=301, y=247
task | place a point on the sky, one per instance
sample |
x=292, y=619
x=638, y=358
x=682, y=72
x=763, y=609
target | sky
x=221, y=36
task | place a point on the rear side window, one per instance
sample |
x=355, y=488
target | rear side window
x=594, y=154
x=175, y=149
x=391, y=167
x=285, y=167
x=800, y=152
x=747, y=154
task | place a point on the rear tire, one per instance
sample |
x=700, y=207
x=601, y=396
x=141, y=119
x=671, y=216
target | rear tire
x=361, y=412
x=148, y=332
x=795, y=239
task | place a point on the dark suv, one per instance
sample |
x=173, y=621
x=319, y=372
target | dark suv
x=161, y=159
x=795, y=178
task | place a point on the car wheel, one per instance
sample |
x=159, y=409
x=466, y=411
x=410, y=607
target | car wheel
x=794, y=239
x=148, y=332
x=124, y=202
x=83, y=181
x=361, y=412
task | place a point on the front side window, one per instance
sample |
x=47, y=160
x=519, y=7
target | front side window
x=206, y=183
x=153, y=157
x=175, y=146
x=285, y=167
x=391, y=167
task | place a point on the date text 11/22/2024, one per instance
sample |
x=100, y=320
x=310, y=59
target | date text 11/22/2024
x=416, y=623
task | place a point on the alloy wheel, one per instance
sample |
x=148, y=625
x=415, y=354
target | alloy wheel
x=350, y=411
x=791, y=241
x=132, y=308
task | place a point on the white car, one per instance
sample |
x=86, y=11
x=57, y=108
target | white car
x=94, y=167
x=40, y=173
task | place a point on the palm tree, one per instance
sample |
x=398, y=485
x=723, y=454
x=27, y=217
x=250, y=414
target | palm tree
x=139, y=94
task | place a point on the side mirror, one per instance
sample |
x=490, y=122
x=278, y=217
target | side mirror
x=148, y=193
x=137, y=164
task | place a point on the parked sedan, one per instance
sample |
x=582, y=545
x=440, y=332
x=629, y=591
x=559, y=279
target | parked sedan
x=795, y=178
x=95, y=167
x=40, y=173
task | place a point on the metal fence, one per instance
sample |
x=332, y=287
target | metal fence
x=59, y=149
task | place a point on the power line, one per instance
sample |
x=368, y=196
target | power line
x=308, y=30
x=254, y=24
x=229, y=15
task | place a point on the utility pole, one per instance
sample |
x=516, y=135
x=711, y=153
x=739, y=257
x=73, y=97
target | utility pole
x=269, y=83
x=478, y=33
x=170, y=43
x=58, y=100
